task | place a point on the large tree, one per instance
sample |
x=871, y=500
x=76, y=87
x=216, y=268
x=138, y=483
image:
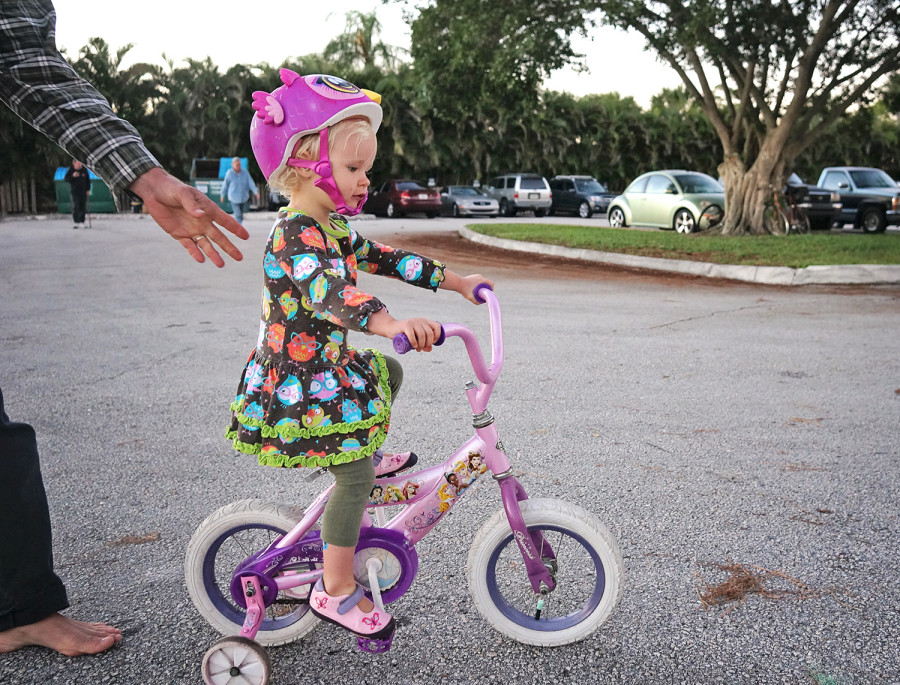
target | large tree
x=772, y=77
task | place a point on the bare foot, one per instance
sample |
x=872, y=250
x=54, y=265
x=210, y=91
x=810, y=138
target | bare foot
x=65, y=635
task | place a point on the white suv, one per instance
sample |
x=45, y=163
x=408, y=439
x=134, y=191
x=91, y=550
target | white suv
x=521, y=191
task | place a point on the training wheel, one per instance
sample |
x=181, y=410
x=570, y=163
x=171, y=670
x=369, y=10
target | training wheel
x=236, y=661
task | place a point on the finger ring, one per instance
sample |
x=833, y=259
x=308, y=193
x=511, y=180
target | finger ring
x=196, y=238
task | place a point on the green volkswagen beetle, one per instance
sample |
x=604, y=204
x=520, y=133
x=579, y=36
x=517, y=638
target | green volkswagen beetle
x=685, y=201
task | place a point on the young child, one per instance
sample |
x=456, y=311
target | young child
x=307, y=398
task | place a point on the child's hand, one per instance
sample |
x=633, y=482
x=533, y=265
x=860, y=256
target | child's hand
x=421, y=333
x=465, y=285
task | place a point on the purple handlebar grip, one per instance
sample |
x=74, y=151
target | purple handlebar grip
x=478, y=289
x=402, y=346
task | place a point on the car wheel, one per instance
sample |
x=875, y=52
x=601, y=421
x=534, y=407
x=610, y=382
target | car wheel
x=617, y=218
x=873, y=220
x=684, y=221
x=504, y=208
x=389, y=211
x=540, y=211
x=431, y=215
x=585, y=211
x=454, y=211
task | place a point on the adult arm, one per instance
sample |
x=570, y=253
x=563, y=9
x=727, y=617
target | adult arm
x=44, y=90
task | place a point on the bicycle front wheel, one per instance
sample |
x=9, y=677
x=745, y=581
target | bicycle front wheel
x=774, y=221
x=588, y=570
x=220, y=543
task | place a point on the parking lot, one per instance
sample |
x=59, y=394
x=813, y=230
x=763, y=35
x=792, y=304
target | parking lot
x=716, y=428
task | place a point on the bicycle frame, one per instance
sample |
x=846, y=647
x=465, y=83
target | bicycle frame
x=426, y=495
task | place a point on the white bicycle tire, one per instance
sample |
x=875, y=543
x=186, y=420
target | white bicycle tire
x=219, y=523
x=554, y=515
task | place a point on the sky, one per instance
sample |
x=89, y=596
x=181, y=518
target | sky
x=246, y=33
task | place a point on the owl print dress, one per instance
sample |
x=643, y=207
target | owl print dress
x=306, y=397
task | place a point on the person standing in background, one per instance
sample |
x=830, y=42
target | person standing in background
x=79, y=181
x=238, y=187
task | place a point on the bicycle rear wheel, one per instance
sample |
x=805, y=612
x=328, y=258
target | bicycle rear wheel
x=800, y=223
x=774, y=221
x=588, y=570
x=227, y=537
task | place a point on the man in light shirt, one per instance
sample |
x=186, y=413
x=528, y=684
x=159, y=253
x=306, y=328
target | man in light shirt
x=238, y=187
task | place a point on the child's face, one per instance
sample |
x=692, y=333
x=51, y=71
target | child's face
x=351, y=160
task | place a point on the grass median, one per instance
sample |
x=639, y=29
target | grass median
x=795, y=251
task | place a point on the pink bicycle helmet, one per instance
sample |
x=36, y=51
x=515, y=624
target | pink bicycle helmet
x=304, y=105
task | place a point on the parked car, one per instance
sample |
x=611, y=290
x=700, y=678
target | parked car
x=823, y=207
x=671, y=198
x=870, y=198
x=581, y=195
x=403, y=196
x=468, y=201
x=516, y=192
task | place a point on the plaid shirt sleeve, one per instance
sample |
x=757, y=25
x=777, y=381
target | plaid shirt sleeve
x=43, y=89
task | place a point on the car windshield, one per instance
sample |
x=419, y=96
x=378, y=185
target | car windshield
x=409, y=185
x=532, y=183
x=872, y=178
x=467, y=191
x=698, y=183
x=589, y=186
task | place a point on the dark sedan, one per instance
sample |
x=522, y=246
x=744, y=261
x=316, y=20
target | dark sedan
x=581, y=195
x=403, y=196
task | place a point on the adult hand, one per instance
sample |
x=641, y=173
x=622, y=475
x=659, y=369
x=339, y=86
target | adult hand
x=189, y=216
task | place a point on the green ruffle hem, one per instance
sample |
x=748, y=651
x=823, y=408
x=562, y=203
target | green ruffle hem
x=270, y=455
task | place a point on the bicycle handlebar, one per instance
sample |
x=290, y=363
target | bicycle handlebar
x=402, y=344
x=486, y=374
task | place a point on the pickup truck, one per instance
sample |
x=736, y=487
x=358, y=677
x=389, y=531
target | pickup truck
x=870, y=198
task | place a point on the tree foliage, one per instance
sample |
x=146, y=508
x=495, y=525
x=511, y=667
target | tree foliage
x=469, y=104
x=772, y=77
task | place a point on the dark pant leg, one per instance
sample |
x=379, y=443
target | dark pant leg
x=29, y=589
x=395, y=376
x=79, y=201
x=347, y=504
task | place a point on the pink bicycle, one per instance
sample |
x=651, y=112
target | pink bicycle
x=541, y=571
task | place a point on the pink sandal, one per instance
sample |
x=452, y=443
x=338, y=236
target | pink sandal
x=390, y=464
x=374, y=629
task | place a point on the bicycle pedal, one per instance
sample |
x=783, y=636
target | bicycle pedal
x=375, y=646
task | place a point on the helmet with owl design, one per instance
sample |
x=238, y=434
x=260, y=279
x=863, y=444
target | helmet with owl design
x=303, y=106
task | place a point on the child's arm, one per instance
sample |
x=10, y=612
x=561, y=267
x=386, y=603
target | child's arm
x=464, y=285
x=421, y=333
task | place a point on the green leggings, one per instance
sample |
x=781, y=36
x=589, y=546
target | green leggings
x=353, y=485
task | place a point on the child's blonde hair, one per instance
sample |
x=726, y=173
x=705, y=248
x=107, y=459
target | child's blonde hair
x=288, y=178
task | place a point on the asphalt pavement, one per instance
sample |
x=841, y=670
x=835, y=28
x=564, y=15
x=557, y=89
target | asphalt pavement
x=716, y=428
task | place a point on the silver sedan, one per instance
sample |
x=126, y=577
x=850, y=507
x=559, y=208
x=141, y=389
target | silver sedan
x=467, y=201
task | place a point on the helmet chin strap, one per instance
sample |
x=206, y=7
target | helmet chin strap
x=326, y=180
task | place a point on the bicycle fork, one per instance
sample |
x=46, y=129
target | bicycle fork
x=538, y=556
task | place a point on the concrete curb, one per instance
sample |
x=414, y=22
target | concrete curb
x=850, y=274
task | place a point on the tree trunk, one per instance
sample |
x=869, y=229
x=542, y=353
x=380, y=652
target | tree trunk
x=748, y=190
